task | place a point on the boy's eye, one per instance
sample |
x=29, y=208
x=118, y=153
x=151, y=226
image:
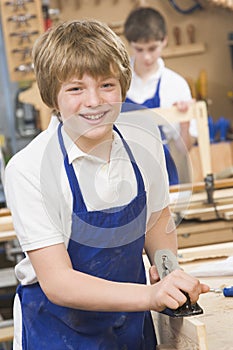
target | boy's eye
x=106, y=85
x=75, y=88
x=152, y=49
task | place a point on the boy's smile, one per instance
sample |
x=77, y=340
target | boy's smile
x=89, y=106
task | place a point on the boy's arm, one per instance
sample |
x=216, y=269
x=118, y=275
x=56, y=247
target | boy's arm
x=71, y=288
x=67, y=287
x=161, y=234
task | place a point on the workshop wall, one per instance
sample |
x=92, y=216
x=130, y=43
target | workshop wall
x=212, y=25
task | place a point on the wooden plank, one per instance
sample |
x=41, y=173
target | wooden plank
x=200, y=186
x=6, y=223
x=204, y=252
x=192, y=205
x=228, y=215
x=221, y=161
x=196, y=199
x=184, y=50
x=207, y=212
x=181, y=333
x=188, y=227
x=7, y=236
x=205, y=238
x=218, y=315
x=191, y=208
x=6, y=334
x=203, y=138
x=5, y=212
x=193, y=233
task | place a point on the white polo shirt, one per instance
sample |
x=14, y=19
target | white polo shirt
x=38, y=192
x=173, y=88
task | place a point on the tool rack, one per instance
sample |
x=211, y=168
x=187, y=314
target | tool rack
x=22, y=22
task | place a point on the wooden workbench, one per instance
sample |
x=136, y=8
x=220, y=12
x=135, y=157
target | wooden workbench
x=7, y=232
x=198, y=225
x=209, y=331
x=218, y=310
x=6, y=334
x=200, y=222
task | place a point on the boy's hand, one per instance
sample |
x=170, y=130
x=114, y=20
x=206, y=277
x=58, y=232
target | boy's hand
x=183, y=106
x=168, y=291
x=153, y=273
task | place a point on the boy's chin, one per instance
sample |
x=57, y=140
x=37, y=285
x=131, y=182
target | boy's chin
x=93, y=133
x=99, y=132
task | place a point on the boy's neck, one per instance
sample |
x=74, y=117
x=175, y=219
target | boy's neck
x=145, y=72
x=96, y=148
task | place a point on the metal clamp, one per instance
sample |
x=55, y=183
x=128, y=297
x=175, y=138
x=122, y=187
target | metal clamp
x=25, y=68
x=21, y=19
x=24, y=36
x=18, y=4
x=25, y=52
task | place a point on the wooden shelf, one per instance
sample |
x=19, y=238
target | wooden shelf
x=6, y=334
x=184, y=50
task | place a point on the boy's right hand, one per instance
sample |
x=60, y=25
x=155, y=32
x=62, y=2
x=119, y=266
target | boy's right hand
x=168, y=291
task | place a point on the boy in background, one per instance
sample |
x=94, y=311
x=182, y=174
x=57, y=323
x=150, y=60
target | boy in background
x=153, y=84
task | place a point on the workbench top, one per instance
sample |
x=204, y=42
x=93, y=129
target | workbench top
x=210, y=331
x=218, y=310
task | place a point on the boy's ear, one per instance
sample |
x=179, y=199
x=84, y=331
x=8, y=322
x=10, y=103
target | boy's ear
x=165, y=41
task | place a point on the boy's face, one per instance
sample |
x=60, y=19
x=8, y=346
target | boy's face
x=89, y=106
x=146, y=54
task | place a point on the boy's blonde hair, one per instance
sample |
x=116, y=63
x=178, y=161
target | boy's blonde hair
x=74, y=48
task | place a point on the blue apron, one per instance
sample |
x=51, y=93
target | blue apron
x=106, y=244
x=154, y=102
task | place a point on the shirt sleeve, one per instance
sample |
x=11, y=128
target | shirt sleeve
x=34, y=216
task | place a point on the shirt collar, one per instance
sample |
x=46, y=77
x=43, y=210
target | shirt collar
x=74, y=152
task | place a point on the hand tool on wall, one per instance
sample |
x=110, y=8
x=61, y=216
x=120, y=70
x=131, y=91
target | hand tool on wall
x=166, y=262
x=191, y=33
x=227, y=291
x=177, y=35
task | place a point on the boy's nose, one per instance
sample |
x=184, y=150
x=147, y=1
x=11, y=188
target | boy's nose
x=147, y=56
x=93, y=98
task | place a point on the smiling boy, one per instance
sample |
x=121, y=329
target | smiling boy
x=91, y=205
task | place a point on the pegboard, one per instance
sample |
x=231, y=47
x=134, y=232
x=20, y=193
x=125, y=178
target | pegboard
x=22, y=22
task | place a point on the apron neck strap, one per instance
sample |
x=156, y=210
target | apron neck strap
x=74, y=185
x=140, y=182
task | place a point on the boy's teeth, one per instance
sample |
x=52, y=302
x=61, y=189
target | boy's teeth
x=94, y=117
